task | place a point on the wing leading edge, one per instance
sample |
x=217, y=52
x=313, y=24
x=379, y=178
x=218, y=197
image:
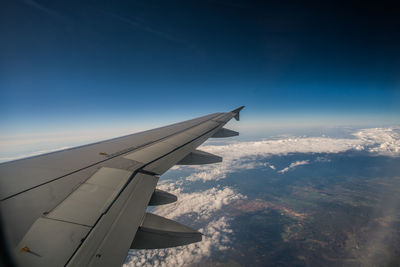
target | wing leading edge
x=89, y=212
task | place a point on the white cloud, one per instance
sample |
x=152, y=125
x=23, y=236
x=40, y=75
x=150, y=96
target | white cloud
x=381, y=141
x=216, y=238
x=285, y=146
x=201, y=206
x=219, y=171
x=243, y=155
x=294, y=164
x=202, y=203
x=272, y=166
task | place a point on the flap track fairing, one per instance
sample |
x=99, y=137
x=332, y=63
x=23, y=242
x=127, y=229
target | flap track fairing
x=223, y=132
x=160, y=197
x=158, y=232
x=199, y=157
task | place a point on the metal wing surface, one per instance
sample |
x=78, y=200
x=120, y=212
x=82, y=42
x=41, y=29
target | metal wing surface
x=86, y=206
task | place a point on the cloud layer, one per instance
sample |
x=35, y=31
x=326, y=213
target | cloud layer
x=202, y=203
x=200, y=208
x=216, y=238
x=242, y=155
x=381, y=141
x=205, y=208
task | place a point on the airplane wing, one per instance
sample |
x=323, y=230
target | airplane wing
x=86, y=206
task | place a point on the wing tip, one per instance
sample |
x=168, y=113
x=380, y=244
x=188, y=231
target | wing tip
x=237, y=111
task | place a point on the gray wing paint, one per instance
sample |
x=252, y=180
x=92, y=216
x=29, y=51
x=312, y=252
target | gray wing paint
x=83, y=206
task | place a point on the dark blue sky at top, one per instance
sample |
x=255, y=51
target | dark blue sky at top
x=77, y=61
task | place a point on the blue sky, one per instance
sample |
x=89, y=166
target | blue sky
x=77, y=66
